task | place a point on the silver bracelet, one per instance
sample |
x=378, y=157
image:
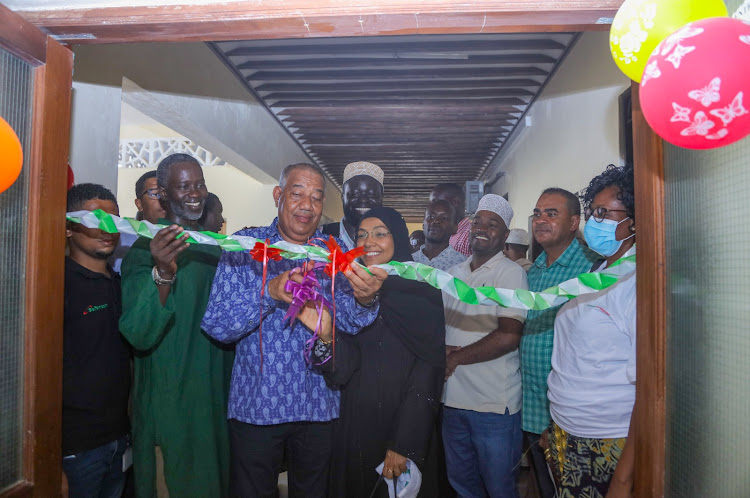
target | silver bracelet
x=159, y=280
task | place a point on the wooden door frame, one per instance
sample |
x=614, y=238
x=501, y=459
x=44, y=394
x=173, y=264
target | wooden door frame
x=45, y=255
x=649, y=416
x=333, y=18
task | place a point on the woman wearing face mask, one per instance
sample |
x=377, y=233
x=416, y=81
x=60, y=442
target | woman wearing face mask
x=390, y=374
x=592, y=382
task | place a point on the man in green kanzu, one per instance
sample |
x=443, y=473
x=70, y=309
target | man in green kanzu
x=181, y=375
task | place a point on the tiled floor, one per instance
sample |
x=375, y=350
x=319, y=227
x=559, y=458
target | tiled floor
x=526, y=484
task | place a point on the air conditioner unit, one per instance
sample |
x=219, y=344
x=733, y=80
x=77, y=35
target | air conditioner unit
x=474, y=191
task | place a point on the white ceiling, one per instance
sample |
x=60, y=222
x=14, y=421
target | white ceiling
x=90, y=4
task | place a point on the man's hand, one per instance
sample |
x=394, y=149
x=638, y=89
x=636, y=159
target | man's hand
x=451, y=360
x=165, y=247
x=394, y=465
x=276, y=285
x=363, y=284
x=308, y=315
x=544, y=440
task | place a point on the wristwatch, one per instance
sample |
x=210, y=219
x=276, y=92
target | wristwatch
x=159, y=280
x=375, y=299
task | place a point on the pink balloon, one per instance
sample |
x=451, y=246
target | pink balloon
x=695, y=90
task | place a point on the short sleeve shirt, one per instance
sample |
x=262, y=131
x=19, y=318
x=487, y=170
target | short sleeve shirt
x=536, y=343
x=492, y=386
x=447, y=258
x=592, y=382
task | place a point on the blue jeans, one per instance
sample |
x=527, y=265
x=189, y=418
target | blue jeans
x=482, y=451
x=98, y=472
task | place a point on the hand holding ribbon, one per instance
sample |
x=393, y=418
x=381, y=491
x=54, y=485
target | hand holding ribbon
x=304, y=288
x=339, y=261
x=262, y=253
x=308, y=304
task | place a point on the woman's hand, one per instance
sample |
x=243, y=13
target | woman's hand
x=620, y=489
x=364, y=285
x=394, y=465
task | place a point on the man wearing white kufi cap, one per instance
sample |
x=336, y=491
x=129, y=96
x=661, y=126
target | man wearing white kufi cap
x=482, y=397
x=361, y=191
x=516, y=247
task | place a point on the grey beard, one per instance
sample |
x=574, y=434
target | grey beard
x=182, y=213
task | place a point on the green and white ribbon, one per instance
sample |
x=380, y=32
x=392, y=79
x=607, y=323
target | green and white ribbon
x=585, y=283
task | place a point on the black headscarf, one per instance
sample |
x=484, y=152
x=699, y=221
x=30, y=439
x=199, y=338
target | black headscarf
x=412, y=310
x=397, y=226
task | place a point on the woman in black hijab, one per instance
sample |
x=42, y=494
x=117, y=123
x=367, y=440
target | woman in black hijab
x=390, y=375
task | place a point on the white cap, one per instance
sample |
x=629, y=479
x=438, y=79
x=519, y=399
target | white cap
x=518, y=236
x=363, y=168
x=498, y=205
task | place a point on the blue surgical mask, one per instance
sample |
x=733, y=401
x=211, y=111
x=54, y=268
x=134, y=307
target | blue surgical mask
x=600, y=236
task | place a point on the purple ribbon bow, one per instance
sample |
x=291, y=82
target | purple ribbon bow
x=302, y=292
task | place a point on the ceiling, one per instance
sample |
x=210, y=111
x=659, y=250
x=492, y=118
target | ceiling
x=427, y=109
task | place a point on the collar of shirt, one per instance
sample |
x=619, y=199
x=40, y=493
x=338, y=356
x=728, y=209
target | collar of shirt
x=494, y=260
x=344, y=236
x=563, y=260
x=82, y=270
x=167, y=222
x=603, y=266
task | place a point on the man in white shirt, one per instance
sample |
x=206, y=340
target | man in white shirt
x=440, y=222
x=481, y=419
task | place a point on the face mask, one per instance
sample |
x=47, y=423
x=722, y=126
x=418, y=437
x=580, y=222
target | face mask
x=600, y=236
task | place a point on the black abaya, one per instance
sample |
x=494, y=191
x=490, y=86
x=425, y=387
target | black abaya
x=391, y=378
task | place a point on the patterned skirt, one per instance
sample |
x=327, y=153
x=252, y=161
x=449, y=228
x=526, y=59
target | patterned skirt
x=582, y=467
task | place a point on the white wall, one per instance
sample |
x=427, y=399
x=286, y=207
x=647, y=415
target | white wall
x=246, y=202
x=94, y=134
x=574, y=132
x=187, y=88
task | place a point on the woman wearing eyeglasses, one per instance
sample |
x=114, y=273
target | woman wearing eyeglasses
x=592, y=382
x=390, y=374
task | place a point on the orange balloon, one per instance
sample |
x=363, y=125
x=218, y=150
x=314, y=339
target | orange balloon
x=11, y=156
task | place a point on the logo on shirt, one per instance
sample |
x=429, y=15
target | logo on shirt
x=93, y=308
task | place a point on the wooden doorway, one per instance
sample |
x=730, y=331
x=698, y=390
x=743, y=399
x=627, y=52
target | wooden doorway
x=328, y=18
x=50, y=66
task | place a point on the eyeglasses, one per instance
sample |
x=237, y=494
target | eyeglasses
x=600, y=213
x=153, y=193
x=377, y=234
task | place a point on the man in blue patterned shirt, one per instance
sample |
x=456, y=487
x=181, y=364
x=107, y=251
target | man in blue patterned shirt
x=556, y=218
x=286, y=407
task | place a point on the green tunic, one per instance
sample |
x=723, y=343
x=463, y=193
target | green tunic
x=181, y=376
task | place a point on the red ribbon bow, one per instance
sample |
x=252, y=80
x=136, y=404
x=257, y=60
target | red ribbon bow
x=340, y=261
x=262, y=253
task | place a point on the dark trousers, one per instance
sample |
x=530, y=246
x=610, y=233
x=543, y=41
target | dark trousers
x=257, y=452
x=539, y=464
x=97, y=473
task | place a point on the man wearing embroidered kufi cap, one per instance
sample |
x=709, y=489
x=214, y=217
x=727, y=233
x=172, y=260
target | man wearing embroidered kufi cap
x=362, y=190
x=482, y=414
x=516, y=247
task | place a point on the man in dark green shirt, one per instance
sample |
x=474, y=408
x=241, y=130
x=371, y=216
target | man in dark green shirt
x=181, y=375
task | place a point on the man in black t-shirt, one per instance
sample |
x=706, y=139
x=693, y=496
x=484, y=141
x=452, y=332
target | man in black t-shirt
x=96, y=360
